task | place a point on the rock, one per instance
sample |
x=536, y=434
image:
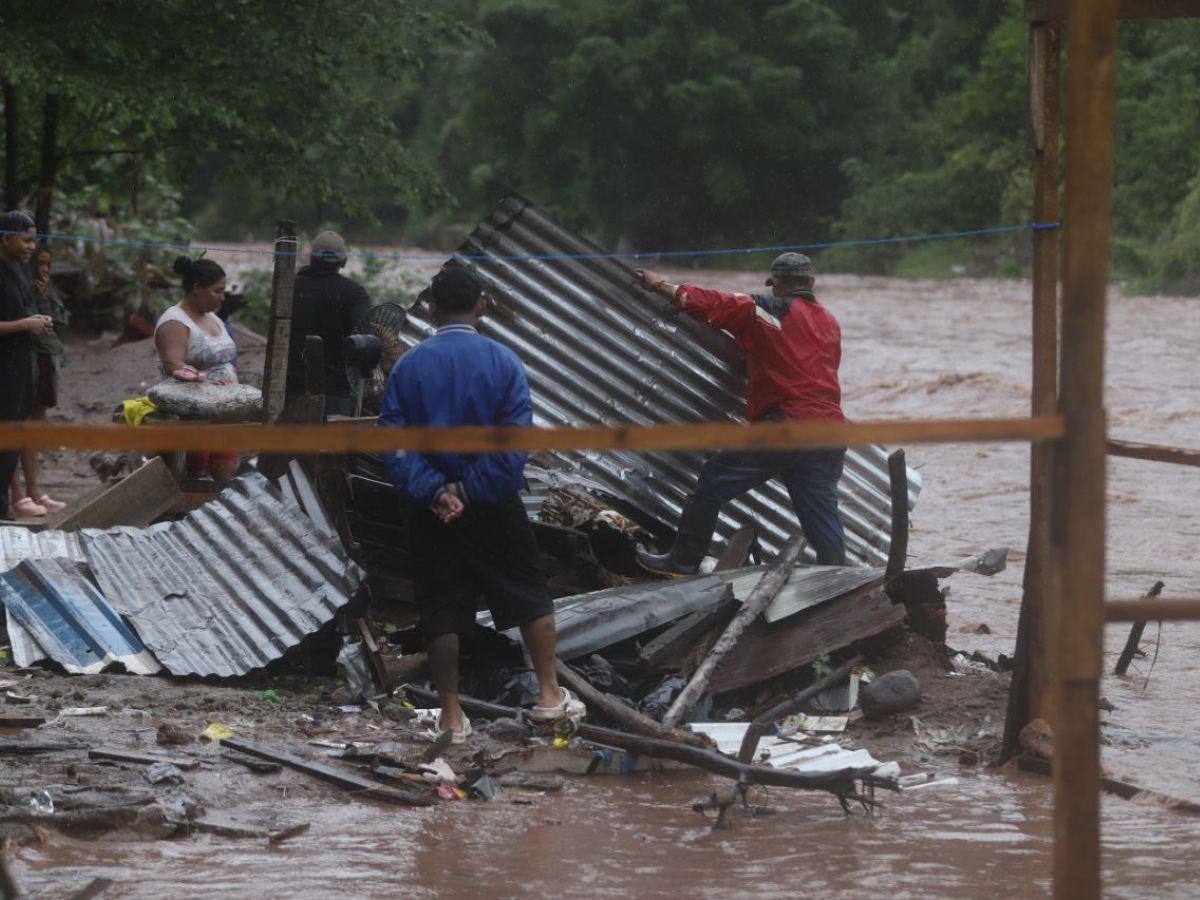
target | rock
x=891, y=693
x=163, y=773
x=170, y=734
x=214, y=402
x=1036, y=739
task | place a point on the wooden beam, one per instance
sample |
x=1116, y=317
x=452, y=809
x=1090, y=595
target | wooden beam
x=1056, y=10
x=1135, y=636
x=1180, y=456
x=279, y=327
x=1029, y=690
x=1079, y=499
x=898, y=489
x=487, y=439
x=1151, y=610
x=137, y=500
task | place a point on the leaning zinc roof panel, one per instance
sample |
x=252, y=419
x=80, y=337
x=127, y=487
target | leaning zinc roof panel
x=599, y=350
x=230, y=587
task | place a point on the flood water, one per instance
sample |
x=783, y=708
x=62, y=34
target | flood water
x=911, y=349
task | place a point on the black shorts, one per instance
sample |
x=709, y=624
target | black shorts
x=489, y=552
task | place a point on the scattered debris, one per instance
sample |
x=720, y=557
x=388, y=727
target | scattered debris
x=148, y=759
x=164, y=773
x=216, y=732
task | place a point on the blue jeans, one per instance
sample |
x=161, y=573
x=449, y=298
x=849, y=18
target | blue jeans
x=810, y=476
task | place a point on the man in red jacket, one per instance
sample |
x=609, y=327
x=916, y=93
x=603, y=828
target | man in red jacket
x=793, y=347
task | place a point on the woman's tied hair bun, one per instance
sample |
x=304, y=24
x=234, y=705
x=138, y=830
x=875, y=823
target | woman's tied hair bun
x=203, y=272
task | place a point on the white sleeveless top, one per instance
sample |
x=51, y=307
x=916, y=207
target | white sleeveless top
x=211, y=354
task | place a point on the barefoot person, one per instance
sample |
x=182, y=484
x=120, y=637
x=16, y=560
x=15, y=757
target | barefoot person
x=193, y=345
x=793, y=348
x=18, y=328
x=48, y=352
x=468, y=531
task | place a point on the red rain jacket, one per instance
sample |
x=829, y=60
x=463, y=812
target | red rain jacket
x=793, y=348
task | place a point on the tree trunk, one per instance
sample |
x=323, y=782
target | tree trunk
x=12, y=149
x=48, y=170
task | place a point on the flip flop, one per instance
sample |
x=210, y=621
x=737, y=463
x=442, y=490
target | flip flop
x=460, y=736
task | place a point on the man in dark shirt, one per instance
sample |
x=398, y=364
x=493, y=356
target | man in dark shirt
x=468, y=530
x=793, y=349
x=331, y=306
x=19, y=325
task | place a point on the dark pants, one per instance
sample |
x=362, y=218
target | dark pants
x=491, y=551
x=811, y=478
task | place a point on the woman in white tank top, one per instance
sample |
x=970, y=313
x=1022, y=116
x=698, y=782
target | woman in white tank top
x=191, y=344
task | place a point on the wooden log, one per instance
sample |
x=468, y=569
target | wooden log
x=368, y=438
x=615, y=711
x=840, y=782
x=146, y=759
x=1029, y=689
x=1123, y=789
x=764, y=592
x=1079, y=492
x=279, y=328
x=1180, y=456
x=1135, y=636
x=762, y=722
x=348, y=780
x=136, y=500
x=898, y=545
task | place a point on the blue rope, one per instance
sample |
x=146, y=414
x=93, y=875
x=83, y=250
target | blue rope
x=551, y=257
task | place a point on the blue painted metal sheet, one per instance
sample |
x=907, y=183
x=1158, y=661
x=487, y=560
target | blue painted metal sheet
x=65, y=618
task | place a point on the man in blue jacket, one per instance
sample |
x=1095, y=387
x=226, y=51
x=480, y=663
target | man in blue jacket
x=468, y=531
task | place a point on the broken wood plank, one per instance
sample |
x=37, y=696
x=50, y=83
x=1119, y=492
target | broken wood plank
x=840, y=782
x=737, y=551
x=668, y=650
x=258, y=766
x=19, y=747
x=378, y=668
x=764, y=592
x=1135, y=635
x=148, y=759
x=769, y=650
x=135, y=500
x=338, y=777
x=21, y=721
x=616, y=711
x=898, y=546
x=283, y=834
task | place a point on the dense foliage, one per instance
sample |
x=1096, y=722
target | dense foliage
x=647, y=123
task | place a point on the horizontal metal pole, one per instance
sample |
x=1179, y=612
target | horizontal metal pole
x=486, y=439
x=1151, y=610
x=1180, y=456
x=1056, y=10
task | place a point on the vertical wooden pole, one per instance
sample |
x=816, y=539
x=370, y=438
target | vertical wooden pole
x=1079, y=501
x=279, y=329
x=1029, y=694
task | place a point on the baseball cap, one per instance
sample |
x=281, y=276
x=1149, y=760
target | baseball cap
x=328, y=245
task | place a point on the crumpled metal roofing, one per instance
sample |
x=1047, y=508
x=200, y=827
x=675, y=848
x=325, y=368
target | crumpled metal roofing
x=599, y=350
x=54, y=611
x=230, y=587
x=18, y=544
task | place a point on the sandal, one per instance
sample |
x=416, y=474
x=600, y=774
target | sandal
x=569, y=708
x=459, y=736
x=27, y=508
x=50, y=505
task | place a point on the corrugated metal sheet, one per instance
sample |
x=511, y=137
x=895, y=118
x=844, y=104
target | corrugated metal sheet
x=784, y=754
x=600, y=351
x=64, y=617
x=228, y=588
x=18, y=544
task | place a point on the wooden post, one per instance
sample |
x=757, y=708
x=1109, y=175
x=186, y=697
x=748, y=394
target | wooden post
x=898, y=545
x=1077, y=530
x=279, y=330
x=1029, y=694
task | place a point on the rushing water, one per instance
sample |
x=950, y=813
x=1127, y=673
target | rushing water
x=912, y=349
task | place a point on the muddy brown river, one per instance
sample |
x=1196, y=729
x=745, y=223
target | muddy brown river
x=911, y=349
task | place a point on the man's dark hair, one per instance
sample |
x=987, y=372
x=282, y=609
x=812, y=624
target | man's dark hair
x=455, y=291
x=16, y=221
x=203, y=272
